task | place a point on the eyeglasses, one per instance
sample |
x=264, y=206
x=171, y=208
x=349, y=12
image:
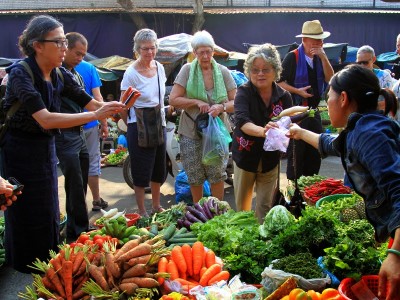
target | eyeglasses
x=255, y=71
x=363, y=62
x=204, y=52
x=148, y=49
x=59, y=43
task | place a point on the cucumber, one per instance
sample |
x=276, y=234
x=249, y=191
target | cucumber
x=187, y=240
x=129, y=231
x=184, y=235
x=154, y=228
x=180, y=231
x=169, y=232
x=180, y=244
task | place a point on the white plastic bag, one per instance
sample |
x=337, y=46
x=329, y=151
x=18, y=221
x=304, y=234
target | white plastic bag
x=275, y=138
x=272, y=279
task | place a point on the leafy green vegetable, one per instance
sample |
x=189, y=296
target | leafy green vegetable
x=302, y=264
x=234, y=237
x=276, y=220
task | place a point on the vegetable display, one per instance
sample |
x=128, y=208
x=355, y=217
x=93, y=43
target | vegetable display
x=206, y=209
x=276, y=220
x=116, y=158
x=324, y=188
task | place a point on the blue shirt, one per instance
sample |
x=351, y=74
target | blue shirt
x=370, y=151
x=92, y=80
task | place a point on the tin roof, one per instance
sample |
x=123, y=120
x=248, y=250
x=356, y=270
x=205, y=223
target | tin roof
x=211, y=11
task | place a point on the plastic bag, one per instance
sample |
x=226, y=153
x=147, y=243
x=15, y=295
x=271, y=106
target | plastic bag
x=275, y=138
x=216, y=139
x=272, y=279
x=182, y=189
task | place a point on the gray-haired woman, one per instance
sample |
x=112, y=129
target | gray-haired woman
x=148, y=77
x=256, y=103
x=28, y=147
x=202, y=86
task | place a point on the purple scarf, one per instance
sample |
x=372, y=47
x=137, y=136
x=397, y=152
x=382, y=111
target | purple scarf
x=301, y=78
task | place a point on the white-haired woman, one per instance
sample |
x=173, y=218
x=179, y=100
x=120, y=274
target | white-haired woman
x=148, y=77
x=202, y=86
x=256, y=103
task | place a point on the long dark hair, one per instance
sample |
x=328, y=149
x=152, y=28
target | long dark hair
x=37, y=29
x=362, y=87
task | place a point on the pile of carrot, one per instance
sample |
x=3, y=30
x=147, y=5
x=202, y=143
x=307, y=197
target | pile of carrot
x=192, y=266
x=66, y=273
x=132, y=267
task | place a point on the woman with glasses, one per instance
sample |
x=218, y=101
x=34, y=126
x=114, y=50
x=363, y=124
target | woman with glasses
x=28, y=147
x=256, y=103
x=147, y=76
x=202, y=86
x=369, y=148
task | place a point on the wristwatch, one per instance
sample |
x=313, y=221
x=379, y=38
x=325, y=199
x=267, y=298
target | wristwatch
x=223, y=104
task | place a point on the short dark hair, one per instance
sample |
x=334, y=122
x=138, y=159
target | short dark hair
x=37, y=29
x=362, y=87
x=74, y=37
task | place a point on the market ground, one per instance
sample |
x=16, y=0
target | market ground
x=118, y=194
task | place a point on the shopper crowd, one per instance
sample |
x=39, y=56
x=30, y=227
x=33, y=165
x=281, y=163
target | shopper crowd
x=62, y=117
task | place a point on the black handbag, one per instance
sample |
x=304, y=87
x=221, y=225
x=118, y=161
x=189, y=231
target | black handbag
x=149, y=123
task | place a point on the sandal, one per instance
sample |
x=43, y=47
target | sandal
x=157, y=210
x=97, y=205
x=143, y=213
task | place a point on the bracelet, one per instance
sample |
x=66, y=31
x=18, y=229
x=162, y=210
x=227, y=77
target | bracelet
x=394, y=251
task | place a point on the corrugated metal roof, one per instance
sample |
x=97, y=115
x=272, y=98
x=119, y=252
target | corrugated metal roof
x=213, y=11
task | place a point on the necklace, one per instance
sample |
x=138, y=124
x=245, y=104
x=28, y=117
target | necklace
x=144, y=67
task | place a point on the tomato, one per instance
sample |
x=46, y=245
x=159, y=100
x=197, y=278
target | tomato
x=99, y=242
x=83, y=238
x=72, y=245
x=96, y=237
x=89, y=242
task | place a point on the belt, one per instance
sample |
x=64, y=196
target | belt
x=72, y=129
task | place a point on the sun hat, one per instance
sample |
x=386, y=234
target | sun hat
x=314, y=30
x=122, y=126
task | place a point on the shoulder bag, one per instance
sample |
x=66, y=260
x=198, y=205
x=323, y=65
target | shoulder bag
x=149, y=123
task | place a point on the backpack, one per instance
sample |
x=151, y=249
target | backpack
x=5, y=117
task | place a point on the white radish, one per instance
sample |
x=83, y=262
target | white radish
x=293, y=110
x=117, y=215
x=112, y=212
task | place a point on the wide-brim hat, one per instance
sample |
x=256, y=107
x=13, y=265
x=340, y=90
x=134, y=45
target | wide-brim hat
x=122, y=126
x=314, y=30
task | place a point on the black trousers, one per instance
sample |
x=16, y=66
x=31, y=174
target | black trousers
x=73, y=156
x=307, y=158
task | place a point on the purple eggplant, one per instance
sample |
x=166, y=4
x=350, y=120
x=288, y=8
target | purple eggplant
x=199, y=208
x=187, y=224
x=192, y=218
x=179, y=222
x=207, y=211
x=198, y=214
x=211, y=207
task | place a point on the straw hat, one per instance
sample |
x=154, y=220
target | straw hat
x=122, y=126
x=314, y=30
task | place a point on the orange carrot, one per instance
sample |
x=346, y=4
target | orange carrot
x=140, y=250
x=210, y=258
x=223, y=275
x=56, y=262
x=196, y=277
x=186, y=282
x=136, y=270
x=197, y=256
x=172, y=269
x=67, y=276
x=98, y=276
x=139, y=260
x=210, y=273
x=202, y=271
x=187, y=254
x=55, y=280
x=162, y=267
x=126, y=247
x=47, y=283
x=179, y=259
x=82, y=269
x=78, y=260
x=128, y=288
x=79, y=294
x=112, y=266
x=144, y=282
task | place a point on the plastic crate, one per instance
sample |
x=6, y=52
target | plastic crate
x=332, y=198
x=345, y=285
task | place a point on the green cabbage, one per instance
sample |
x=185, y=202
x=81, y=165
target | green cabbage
x=276, y=220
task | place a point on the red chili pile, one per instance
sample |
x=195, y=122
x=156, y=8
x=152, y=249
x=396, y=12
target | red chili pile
x=324, y=188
